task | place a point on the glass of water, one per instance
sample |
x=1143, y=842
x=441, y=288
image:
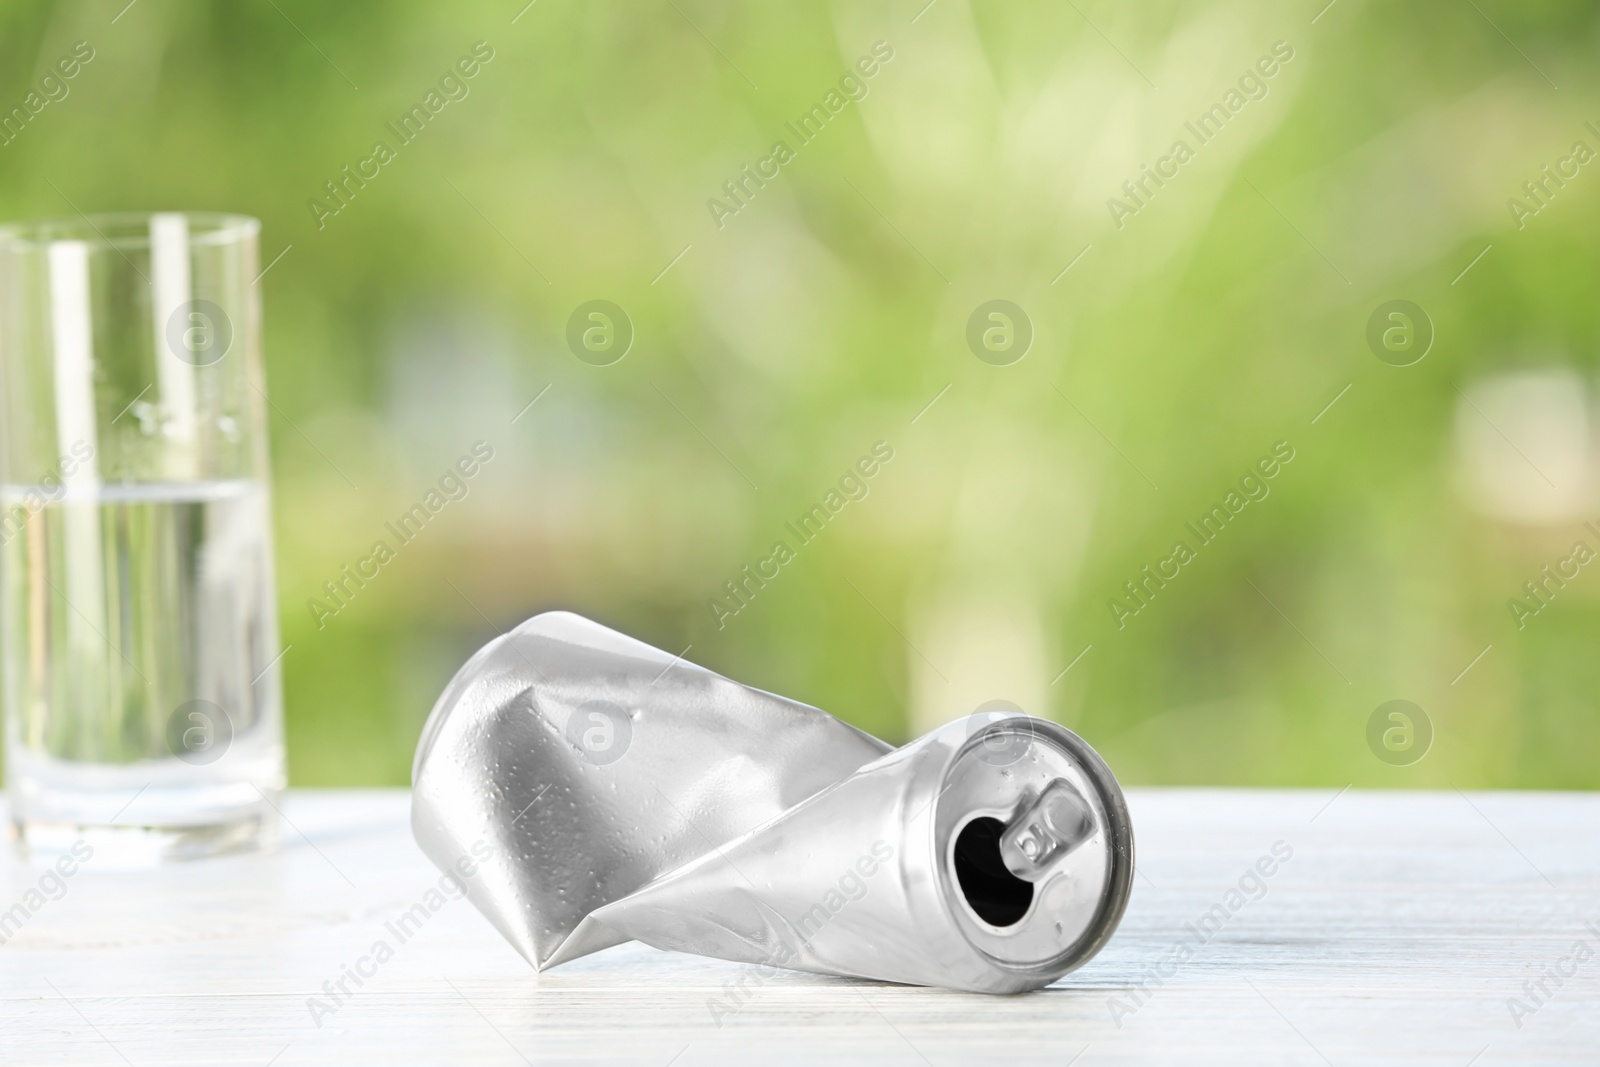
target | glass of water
x=138, y=627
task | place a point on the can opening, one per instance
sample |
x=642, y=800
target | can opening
x=997, y=896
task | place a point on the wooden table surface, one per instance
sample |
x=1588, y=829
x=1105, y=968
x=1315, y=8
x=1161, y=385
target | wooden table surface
x=1401, y=928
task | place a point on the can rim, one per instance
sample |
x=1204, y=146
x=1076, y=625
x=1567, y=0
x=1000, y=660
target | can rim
x=1120, y=849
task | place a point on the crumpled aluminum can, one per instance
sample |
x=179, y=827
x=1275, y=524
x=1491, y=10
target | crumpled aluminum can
x=591, y=764
x=628, y=795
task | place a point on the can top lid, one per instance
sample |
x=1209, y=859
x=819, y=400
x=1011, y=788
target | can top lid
x=1035, y=845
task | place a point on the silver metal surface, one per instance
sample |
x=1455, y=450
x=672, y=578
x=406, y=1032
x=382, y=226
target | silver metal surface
x=1048, y=825
x=590, y=764
x=736, y=824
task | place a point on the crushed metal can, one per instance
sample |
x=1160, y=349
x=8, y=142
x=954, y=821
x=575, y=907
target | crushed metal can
x=626, y=794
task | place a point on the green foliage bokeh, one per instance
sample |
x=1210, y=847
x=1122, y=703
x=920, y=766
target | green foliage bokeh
x=827, y=311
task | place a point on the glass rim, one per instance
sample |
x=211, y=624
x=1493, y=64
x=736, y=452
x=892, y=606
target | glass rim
x=124, y=230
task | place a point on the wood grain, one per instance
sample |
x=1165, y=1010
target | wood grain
x=1395, y=933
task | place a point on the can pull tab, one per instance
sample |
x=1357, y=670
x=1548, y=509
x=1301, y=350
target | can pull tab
x=1058, y=821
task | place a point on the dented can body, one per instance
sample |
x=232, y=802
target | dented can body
x=591, y=764
x=991, y=856
x=896, y=873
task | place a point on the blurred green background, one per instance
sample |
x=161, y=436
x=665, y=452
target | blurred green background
x=1199, y=325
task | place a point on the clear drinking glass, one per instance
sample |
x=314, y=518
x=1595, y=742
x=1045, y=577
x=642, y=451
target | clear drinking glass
x=138, y=625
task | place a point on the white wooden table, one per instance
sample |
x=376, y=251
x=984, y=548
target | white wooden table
x=1397, y=932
